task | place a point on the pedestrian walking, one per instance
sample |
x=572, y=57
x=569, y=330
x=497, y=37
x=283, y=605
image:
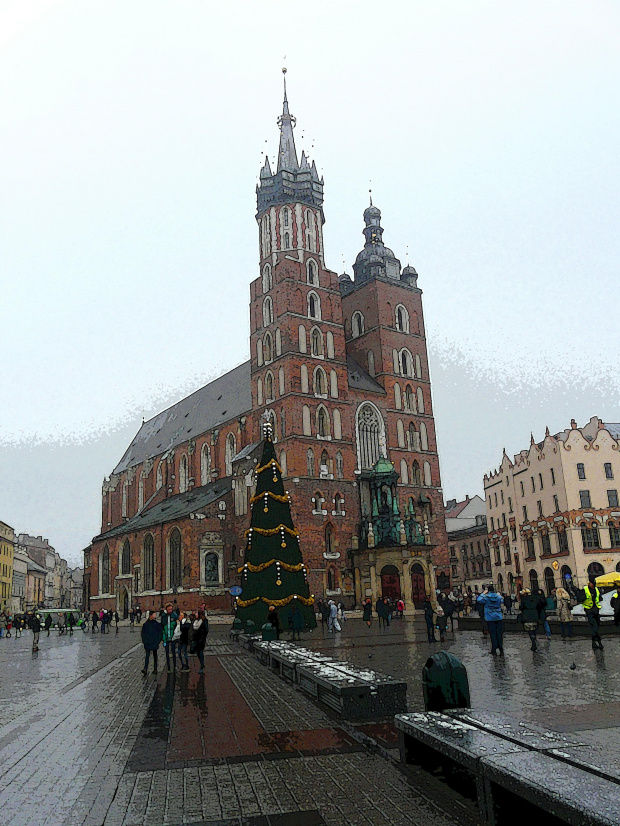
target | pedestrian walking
x=615, y=605
x=9, y=624
x=3, y=624
x=324, y=608
x=296, y=620
x=35, y=625
x=441, y=623
x=151, y=637
x=492, y=603
x=18, y=625
x=132, y=618
x=548, y=606
x=184, y=626
x=70, y=623
x=62, y=624
x=449, y=609
x=400, y=607
x=592, y=606
x=508, y=603
x=564, y=614
x=367, y=612
x=273, y=618
x=169, y=625
x=333, y=617
x=479, y=607
x=428, y=618
x=95, y=620
x=532, y=611
x=116, y=620
x=138, y=614
x=200, y=628
x=48, y=623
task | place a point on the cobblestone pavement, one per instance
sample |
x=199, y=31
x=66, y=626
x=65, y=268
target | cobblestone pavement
x=88, y=741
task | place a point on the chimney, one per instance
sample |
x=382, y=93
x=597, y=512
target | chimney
x=573, y=424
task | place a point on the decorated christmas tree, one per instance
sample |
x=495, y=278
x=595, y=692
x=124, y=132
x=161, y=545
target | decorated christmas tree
x=273, y=573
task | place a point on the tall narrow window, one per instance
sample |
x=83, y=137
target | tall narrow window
x=231, y=450
x=105, y=570
x=267, y=311
x=149, y=563
x=581, y=471
x=286, y=216
x=406, y=363
x=141, y=491
x=303, y=374
x=269, y=387
x=612, y=498
x=310, y=462
x=357, y=325
x=302, y=339
x=312, y=273
x=125, y=558
x=397, y=396
x=267, y=278
x=584, y=496
x=174, y=557
x=159, y=477
x=402, y=319
x=320, y=382
x=314, y=306
x=205, y=465
x=268, y=347
x=552, y=476
x=124, y=499
x=609, y=473
x=322, y=422
x=369, y=431
x=316, y=342
x=305, y=417
x=371, y=363
x=287, y=240
x=183, y=474
x=339, y=465
x=420, y=398
x=410, y=404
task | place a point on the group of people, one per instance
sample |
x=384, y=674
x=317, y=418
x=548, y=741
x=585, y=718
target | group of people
x=102, y=620
x=182, y=633
x=9, y=623
x=332, y=614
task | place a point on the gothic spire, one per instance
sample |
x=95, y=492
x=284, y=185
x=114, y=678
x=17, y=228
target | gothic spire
x=287, y=155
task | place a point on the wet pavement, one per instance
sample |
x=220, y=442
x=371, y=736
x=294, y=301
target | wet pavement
x=86, y=740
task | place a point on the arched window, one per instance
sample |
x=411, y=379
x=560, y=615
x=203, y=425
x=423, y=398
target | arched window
x=339, y=466
x=287, y=241
x=231, y=450
x=330, y=344
x=331, y=574
x=324, y=462
x=413, y=437
x=259, y=390
x=266, y=235
x=595, y=569
x=314, y=306
x=126, y=558
x=269, y=387
x=305, y=418
x=141, y=491
x=370, y=432
x=322, y=422
x=549, y=580
x=267, y=278
x=316, y=342
x=148, y=564
x=268, y=347
x=337, y=424
x=396, y=361
x=174, y=559
x=397, y=396
x=420, y=400
x=428, y=480
x=124, y=497
x=534, y=581
x=283, y=462
x=267, y=311
x=320, y=382
x=205, y=465
x=211, y=568
x=566, y=575
x=285, y=217
x=303, y=373
x=183, y=474
x=329, y=544
x=338, y=503
x=404, y=473
x=281, y=380
x=310, y=462
x=302, y=339
x=371, y=363
x=400, y=434
x=313, y=272
x=423, y=436
x=333, y=384
x=259, y=352
x=357, y=325
x=402, y=319
x=282, y=423
x=416, y=476
x=310, y=231
x=278, y=342
x=406, y=363
x=418, y=366
x=105, y=570
x=159, y=477
x=410, y=399
x=317, y=501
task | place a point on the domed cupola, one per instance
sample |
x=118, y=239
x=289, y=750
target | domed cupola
x=375, y=260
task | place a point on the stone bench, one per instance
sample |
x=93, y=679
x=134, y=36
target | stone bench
x=509, y=766
x=248, y=640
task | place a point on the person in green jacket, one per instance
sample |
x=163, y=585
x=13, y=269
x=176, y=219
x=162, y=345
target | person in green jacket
x=171, y=637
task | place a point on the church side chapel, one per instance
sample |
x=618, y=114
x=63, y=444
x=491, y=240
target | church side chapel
x=339, y=368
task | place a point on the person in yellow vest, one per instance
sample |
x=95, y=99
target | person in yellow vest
x=592, y=608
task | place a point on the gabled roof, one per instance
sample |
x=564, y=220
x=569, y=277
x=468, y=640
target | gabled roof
x=226, y=398
x=457, y=509
x=359, y=379
x=175, y=507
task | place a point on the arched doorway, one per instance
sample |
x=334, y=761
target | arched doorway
x=534, y=581
x=500, y=583
x=390, y=582
x=511, y=582
x=595, y=569
x=418, y=588
x=549, y=580
x=125, y=606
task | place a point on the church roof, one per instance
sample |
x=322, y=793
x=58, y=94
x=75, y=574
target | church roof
x=221, y=400
x=359, y=379
x=175, y=507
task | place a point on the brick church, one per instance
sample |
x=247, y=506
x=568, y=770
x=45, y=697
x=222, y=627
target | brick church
x=340, y=366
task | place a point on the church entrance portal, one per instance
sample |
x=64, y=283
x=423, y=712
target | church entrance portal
x=125, y=604
x=390, y=582
x=418, y=589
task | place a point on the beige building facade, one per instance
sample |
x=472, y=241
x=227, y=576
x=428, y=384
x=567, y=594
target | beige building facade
x=553, y=513
x=7, y=545
x=468, y=544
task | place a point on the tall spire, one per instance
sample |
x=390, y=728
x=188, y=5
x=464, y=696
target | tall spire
x=287, y=155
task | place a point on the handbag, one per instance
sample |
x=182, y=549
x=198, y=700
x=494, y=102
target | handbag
x=337, y=626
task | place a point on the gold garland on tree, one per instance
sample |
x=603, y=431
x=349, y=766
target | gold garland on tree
x=277, y=603
x=257, y=568
x=272, y=531
x=275, y=496
x=272, y=464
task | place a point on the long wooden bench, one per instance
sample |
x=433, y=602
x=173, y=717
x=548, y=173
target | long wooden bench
x=514, y=769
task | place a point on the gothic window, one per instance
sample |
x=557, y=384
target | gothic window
x=287, y=241
x=320, y=382
x=259, y=391
x=420, y=400
x=330, y=344
x=338, y=504
x=267, y=278
x=105, y=571
x=313, y=277
x=267, y=311
x=406, y=363
x=286, y=217
x=316, y=342
x=331, y=575
x=211, y=568
x=404, y=473
x=269, y=387
x=141, y=491
x=259, y=352
x=303, y=372
x=231, y=450
x=302, y=338
x=370, y=429
x=333, y=384
x=125, y=558
x=266, y=235
x=357, y=325
x=339, y=466
x=310, y=231
x=136, y=581
x=278, y=342
x=414, y=437
x=400, y=434
x=174, y=559
x=268, y=348
x=329, y=546
x=183, y=474
x=395, y=361
x=124, y=500
x=205, y=465
x=416, y=476
x=310, y=462
x=402, y=319
x=314, y=306
x=418, y=366
x=428, y=481
x=371, y=363
x=324, y=462
x=423, y=437
x=281, y=380
x=322, y=422
x=283, y=462
x=534, y=581
x=159, y=477
x=397, y=396
x=410, y=399
x=305, y=416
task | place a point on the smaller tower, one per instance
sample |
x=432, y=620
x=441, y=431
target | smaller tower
x=375, y=259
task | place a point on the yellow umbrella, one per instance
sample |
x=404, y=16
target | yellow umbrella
x=608, y=579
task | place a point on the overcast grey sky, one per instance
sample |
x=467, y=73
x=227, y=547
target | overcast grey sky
x=132, y=135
